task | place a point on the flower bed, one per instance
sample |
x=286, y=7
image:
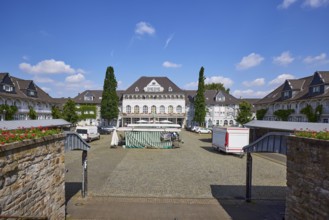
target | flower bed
x=322, y=135
x=10, y=136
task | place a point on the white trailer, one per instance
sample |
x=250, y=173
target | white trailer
x=230, y=139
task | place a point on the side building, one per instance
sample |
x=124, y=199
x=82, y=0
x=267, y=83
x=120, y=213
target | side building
x=296, y=94
x=24, y=94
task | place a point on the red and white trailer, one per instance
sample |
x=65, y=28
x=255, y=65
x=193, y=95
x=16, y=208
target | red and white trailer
x=230, y=139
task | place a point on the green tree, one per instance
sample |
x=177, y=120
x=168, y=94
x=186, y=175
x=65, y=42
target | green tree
x=261, y=113
x=199, y=101
x=110, y=99
x=32, y=113
x=8, y=111
x=56, y=112
x=312, y=115
x=69, y=113
x=244, y=113
x=217, y=86
x=283, y=114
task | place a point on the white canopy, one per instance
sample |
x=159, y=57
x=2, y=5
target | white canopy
x=115, y=138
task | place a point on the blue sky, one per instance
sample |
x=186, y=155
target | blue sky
x=250, y=46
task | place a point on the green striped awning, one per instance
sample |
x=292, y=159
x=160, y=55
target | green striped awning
x=146, y=139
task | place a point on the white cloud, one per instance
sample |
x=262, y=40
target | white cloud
x=77, y=78
x=249, y=93
x=284, y=59
x=256, y=82
x=286, y=3
x=39, y=79
x=249, y=61
x=280, y=79
x=227, y=82
x=47, y=67
x=191, y=85
x=169, y=64
x=25, y=57
x=315, y=3
x=144, y=28
x=46, y=89
x=320, y=59
x=168, y=40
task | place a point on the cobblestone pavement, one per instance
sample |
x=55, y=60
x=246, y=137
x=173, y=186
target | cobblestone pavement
x=192, y=171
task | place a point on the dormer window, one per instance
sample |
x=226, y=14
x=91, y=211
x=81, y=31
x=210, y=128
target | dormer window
x=32, y=93
x=7, y=88
x=316, y=89
x=169, y=89
x=286, y=94
x=136, y=89
x=88, y=98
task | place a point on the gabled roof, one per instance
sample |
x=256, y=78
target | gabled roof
x=299, y=86
x=97, y=94
x=272, y=96
x=324, y=75
x=210, y=96
x=143, y=81
x=21, y=85
x=2, y=75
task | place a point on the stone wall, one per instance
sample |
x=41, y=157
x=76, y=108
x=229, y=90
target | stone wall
x=307, y=179
x=32, y=178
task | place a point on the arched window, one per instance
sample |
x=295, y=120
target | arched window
x=162, y=109
x=145, y=109
x=170, y=109
x=231, y=122
x=153, y=109
x=179, y=109
x=136, y=109
x=225, y=122
x=128, y=109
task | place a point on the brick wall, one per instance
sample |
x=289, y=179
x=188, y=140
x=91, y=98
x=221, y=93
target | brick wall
x=32, y=178
x=307, y=179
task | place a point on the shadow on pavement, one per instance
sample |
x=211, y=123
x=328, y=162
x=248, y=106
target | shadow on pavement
x=208, y=140
x=71, y=188
x=268, y=202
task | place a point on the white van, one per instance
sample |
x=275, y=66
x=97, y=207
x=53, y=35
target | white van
x=88, y=133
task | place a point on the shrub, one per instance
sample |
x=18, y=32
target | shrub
x=322, y=135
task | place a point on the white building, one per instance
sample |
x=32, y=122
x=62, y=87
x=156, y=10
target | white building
x=156, y=99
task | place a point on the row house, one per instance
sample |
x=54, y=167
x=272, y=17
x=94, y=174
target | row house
x=24, y=94
x=296, y=94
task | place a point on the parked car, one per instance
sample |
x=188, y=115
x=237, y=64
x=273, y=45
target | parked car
x=88, y=133
x=201, y=130
x=109, y=128
x=194, y=128
x=103, y=131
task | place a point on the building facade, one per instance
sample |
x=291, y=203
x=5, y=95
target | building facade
x=296, y=94
x=156, y=99
x=24, y=94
